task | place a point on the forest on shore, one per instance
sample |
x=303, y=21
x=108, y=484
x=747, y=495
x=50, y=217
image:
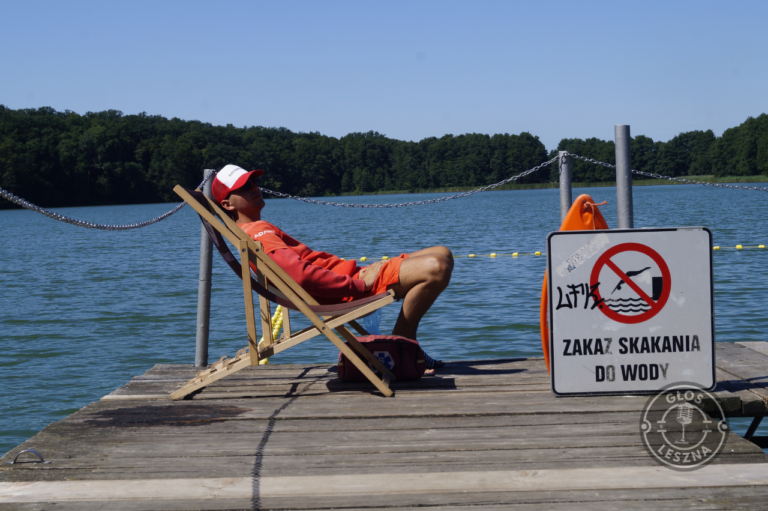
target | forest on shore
x=55, y=159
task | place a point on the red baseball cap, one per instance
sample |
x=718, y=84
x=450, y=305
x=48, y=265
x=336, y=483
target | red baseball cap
x=229, y=179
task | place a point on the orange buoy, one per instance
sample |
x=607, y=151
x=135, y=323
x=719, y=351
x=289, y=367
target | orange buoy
x=583, y=216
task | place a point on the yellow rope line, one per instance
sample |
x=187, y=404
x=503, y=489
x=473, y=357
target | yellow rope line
x=492, y=254
x=537, y=253
x=513, y=254
x=738, y=247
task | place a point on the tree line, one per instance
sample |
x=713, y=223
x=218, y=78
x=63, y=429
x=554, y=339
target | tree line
x=57, y=158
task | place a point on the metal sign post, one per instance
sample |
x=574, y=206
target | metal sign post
x=566, y=196
x=624, y=177
x=631, y=311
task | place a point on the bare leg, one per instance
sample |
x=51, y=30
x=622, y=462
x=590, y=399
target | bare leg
x=439, y=249
x=423, y=276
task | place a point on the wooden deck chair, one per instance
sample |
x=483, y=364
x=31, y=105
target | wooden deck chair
x=272, y=284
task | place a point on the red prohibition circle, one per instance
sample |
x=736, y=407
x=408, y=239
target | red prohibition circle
x=656, y=307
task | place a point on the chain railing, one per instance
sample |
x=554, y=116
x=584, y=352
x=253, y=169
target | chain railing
x=669, y=178
x=408, y=204
x=90, y=225
x=125, y=227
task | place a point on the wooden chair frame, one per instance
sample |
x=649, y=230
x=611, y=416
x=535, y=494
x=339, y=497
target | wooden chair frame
x=270, y=276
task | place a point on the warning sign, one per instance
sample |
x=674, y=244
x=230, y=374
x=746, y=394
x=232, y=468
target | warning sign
x=638, y=306
x=630, y=311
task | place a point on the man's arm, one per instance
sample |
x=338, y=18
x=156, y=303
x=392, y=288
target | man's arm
x=315, y=280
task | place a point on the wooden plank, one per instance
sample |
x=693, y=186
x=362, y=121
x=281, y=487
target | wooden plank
x=671, y=499
x=747, y=368
x=253, y=338
x=759, y=346
x=200, y=489
x=514, y=443
x=745, y=363
x=264, y=308
x=751, y=403
x=440, y=404
x=308, y=389
x=218, y=370
x=118, y=419
x=137, y=397
x=287, y=322
x=126, y=468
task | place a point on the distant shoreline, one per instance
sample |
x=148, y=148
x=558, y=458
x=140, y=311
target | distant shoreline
x=540, y=186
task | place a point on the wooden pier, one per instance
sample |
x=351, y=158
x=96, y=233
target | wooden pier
x=482, y=433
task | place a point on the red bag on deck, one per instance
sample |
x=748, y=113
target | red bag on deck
x=404, y=357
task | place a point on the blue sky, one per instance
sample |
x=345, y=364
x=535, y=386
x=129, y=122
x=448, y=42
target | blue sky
x=409, y=70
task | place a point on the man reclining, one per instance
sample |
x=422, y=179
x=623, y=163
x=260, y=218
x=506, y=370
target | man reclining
x=418, y=278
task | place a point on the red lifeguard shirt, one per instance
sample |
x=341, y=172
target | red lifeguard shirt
x=323, y=275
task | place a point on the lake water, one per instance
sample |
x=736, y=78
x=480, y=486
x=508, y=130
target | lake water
x=83, y=311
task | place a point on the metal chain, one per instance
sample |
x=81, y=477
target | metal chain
x=23, y=203
x=407, y=204
x=62, y=218
x=669, y=178
x=90, y=225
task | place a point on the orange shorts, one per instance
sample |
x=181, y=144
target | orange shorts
x=389, y=275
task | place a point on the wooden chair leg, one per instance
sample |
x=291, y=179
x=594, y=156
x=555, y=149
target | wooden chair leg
x=265, y=310
x=218, y=370
x=286, y=322
x=253, y=340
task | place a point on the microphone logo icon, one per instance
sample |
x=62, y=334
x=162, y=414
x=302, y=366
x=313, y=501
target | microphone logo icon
x=684, y=417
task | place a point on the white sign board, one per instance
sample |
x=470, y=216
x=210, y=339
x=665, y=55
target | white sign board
x=630, y=310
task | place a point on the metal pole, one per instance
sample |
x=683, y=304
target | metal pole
x=204, y=288
x=566, y=197
x=624, y=177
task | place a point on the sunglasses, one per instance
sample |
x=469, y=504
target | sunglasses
x=250, y=184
